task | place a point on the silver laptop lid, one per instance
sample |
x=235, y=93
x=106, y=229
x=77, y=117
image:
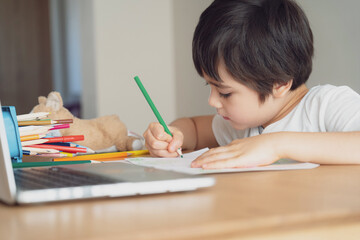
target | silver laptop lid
x=128, y=180
x=7, y=181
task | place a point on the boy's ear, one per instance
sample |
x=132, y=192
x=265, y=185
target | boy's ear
x=280, y=90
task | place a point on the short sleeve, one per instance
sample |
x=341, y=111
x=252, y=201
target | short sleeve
x=342, y=111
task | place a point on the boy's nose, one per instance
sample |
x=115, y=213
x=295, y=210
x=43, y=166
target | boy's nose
x=214, y=100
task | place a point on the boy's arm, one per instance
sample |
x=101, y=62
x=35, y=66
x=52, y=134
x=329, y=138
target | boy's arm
x=322, y=148
x=197, y=132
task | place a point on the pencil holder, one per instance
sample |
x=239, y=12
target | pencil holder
x=12, y=133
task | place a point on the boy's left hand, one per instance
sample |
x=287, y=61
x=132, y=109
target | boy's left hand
x=241, y=153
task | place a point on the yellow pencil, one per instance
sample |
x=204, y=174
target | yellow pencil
x=32, y=137
x=113, y=155
x=67, y=154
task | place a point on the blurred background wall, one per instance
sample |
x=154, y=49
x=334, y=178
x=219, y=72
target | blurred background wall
x=98, y=46
x=151, y=39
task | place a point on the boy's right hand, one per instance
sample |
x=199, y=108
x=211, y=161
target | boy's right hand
x=161, y=144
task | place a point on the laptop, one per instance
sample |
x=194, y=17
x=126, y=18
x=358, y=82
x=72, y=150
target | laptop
x=86, y=181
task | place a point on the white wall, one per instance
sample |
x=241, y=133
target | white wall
x=191, y=92
x=336, y=29
x=134, y=37
x=152, y=39
x=140, y=37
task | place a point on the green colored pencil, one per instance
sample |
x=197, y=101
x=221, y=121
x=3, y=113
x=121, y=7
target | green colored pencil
x=43, y=164
x=154, y=109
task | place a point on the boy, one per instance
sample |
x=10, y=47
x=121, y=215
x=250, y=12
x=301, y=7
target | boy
x=256, y=56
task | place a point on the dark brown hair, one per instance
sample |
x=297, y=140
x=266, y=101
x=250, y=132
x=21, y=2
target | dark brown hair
x=261, y=42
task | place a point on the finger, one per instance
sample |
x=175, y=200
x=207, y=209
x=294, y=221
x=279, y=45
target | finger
x=154, y=143
x=176, y=142
x=162, y=153
x=158, y=131
x=214, y=154
x=166, y=154
x=227, y=163
x=154, y=152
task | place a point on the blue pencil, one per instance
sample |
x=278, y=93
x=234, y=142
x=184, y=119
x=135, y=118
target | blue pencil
x=66, y=144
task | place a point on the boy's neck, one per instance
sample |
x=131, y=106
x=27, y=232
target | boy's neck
x=292, y=100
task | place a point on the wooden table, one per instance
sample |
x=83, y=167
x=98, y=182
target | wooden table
x=301, y=204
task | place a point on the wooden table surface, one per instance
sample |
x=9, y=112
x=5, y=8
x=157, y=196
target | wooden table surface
x=321, y=203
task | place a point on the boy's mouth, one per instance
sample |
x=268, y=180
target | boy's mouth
x=226, y=118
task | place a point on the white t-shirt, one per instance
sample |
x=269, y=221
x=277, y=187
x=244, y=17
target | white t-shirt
x=323, y=109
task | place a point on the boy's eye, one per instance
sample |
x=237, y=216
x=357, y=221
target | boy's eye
x=224, y=95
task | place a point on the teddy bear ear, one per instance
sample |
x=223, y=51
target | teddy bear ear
x=54, y=101
x=42, y=100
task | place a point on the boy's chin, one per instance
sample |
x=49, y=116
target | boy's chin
x=239, y=126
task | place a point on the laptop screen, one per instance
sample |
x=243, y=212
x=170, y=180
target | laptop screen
x=7, y=181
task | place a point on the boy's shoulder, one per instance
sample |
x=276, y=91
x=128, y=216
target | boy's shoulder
x=330, y=92
x=329, y=99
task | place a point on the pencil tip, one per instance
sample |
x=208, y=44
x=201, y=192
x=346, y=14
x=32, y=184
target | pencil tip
x=179, y=152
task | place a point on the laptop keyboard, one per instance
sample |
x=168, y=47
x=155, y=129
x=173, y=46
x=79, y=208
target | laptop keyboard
x=55, y=177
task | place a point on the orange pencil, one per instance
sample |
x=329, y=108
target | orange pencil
x=104, y=156
x=32, y=137
x=93, y=157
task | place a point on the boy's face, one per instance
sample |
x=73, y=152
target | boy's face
x=239, y=104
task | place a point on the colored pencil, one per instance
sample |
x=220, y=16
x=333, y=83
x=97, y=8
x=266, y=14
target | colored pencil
x=38, y=132
x=60, y=126
x=66, y=154
x=44, y=122
x=66, y=144
x=60, y=148
x=154, y=109
x=39, y=139
x=32, y=116
x=55, y=155
x=33, y=142
x=32, y=128
x=43, y=164
x=28, y=130
x=32, y=137
x=103, y=156
x=89, y=150
x=40, y=150
x=25, y=152
x=70, y=138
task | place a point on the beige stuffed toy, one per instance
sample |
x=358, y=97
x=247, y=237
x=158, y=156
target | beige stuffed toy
x=99, y=133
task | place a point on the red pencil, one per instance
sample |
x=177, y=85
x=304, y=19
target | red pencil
x=60, y=148
x=71, y=138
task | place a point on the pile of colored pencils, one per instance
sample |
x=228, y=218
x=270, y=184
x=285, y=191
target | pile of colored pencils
x=35, y=134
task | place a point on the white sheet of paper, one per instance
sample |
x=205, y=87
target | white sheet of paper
x=183, y=165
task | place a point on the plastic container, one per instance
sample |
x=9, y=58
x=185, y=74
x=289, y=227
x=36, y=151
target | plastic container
x=12, y=133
